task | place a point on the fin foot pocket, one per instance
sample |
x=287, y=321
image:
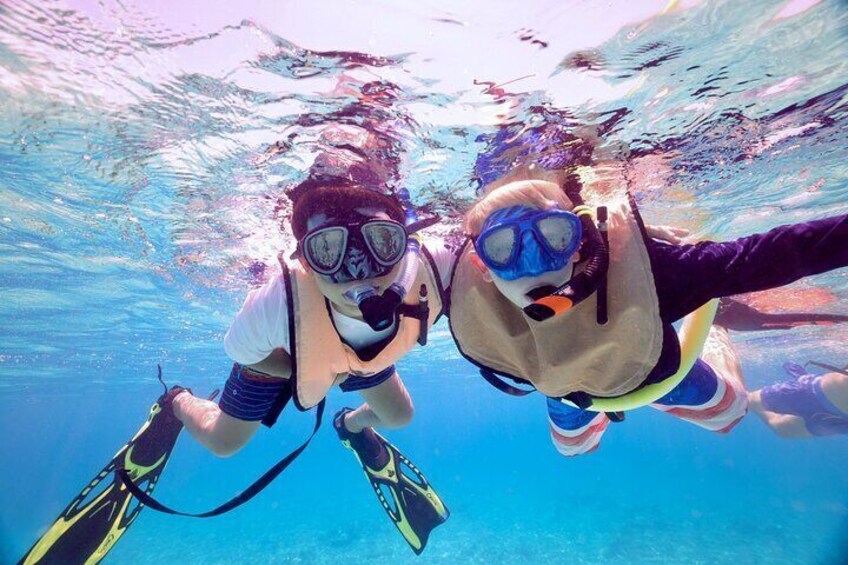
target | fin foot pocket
x=401, y=488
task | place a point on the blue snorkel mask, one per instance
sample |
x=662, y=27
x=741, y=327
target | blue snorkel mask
x=520, y=241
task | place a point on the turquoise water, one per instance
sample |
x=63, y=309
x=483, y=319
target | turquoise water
x=140, y=200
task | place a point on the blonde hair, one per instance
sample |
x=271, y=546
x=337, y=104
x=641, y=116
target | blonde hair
x=539, y=194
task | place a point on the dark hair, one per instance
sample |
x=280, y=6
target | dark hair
x=337, y=196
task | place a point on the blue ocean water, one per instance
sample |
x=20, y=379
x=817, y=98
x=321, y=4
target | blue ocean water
x=144, y=150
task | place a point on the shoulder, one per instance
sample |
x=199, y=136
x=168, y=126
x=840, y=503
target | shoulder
x=444, y=256
x=261, y=325
x=272, y=294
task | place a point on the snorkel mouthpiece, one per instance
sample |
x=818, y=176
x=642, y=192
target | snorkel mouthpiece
x=378, y=310
x=549, y=306
x=550, y=301
x=359, y=293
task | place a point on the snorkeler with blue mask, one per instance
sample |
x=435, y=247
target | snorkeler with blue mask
x=531, y=252
x=539, y=266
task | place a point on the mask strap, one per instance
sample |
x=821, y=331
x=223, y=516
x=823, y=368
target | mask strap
x=843, y=370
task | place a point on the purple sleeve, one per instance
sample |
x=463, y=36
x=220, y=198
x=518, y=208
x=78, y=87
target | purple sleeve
x=687, y=276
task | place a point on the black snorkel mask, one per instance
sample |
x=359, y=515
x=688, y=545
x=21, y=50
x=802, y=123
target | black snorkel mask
x=360, y=248
x=364, y=248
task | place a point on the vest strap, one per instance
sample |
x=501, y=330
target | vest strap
x=420, y=312
x=581, y=397
x=502, y=385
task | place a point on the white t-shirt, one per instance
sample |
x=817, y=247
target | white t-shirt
x=262, y=324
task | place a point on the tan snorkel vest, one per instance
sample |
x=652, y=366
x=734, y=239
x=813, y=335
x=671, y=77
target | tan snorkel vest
x=319, y=357
x=570, y=352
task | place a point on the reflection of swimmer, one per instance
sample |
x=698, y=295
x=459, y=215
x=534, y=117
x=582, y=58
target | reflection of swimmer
x=806, y=405
x=549, y=145
x=524, y=308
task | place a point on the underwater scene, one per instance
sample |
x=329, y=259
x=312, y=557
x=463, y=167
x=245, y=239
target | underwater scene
x=505, y=282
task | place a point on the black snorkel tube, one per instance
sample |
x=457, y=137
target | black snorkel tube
x=549, y=301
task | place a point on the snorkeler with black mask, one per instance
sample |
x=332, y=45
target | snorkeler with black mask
x=360, y=291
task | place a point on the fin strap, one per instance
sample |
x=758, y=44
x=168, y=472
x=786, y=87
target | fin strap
x=123, y=476
x=828, y=367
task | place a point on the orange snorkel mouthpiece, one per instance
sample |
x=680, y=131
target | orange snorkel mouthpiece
x=557, y=304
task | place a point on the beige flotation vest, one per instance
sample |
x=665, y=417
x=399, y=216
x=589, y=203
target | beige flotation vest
x=570, y=352
x=320, y=358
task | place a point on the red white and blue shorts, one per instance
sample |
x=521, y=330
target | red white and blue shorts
x=707, y=397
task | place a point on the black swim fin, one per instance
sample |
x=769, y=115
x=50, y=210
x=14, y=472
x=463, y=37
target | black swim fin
x=97, y=518
x=412, y=504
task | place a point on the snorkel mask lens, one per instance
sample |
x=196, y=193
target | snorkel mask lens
x=385, y=240
x=561, y=233
x=499, y=246
x=520, y=241
x=324, y=249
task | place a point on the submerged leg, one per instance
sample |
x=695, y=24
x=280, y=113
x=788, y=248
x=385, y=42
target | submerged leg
x=784, y=425
x=713, y=394
x=403, y=491
x=387, y=406
x=575, y=431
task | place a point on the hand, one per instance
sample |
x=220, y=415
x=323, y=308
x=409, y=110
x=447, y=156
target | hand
x=669, y=234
